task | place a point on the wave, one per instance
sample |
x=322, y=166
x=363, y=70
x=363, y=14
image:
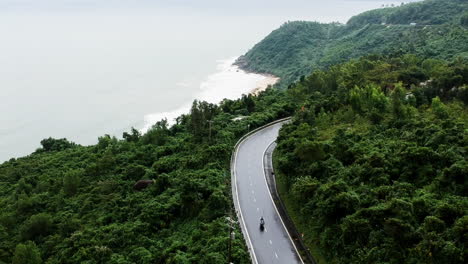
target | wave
x=228, y=82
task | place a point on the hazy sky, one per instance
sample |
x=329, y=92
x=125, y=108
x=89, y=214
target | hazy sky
x=84, y=68
x=323, y=10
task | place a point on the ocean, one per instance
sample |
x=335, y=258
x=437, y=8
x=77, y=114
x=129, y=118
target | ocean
x=79, y=69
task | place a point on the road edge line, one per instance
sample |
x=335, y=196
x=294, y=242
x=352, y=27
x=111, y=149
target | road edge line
x=272, y=184
x=274, y=204
x=235, y=194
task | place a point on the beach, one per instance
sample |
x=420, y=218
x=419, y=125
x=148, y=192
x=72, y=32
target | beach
x=81, y=72
x=228, y=82
x=262, y=85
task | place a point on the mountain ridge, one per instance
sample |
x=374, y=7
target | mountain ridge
x=432, y=28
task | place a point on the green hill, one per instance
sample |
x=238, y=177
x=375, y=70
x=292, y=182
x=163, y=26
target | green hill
x=372, y=168
x=68, y=203
x=297, y=48
x=375, y=150
x=428, y=12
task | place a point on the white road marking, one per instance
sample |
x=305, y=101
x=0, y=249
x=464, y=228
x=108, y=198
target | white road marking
x=255, y=200
x=243, y=226
x=276, y=209
x=253, y=192
x=271, y=243
x=236, y=193
x=258, y=209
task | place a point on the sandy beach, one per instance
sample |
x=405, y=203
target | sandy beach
x=228, y=81
x=262, y=85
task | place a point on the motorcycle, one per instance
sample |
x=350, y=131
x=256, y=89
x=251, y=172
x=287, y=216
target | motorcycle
x=262, y=224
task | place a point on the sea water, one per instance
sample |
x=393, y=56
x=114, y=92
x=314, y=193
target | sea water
x=79, y=69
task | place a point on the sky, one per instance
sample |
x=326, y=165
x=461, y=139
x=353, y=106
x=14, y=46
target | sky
x=80, y=69
x=323, y=10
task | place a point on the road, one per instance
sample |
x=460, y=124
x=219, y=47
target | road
x=253, y=200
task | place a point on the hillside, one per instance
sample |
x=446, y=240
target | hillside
x=373, y=168
x=297, y=48
x=428, y=12
x=68, y=203
x=375, y=150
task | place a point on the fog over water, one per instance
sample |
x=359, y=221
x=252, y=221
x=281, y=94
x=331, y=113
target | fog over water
x=80, y=69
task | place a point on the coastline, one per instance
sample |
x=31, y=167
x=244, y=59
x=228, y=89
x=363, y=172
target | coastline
x=269, y=80
x=229, y=81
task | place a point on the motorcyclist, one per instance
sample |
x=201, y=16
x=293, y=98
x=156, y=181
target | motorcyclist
x=262, y=223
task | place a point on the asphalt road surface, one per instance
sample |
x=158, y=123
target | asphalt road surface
x=273, y=245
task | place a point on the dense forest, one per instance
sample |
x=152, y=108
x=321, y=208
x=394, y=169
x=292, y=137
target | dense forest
x=429, y=29
x=68, y=203
x=373, y=168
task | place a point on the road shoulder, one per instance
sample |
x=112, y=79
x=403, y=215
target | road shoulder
x=271, y=182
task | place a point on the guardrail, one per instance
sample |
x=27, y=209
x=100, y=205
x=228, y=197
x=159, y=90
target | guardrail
x=296, y=238
x=235, y=197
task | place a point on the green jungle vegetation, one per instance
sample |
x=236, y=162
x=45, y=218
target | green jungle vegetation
x=373, y=167
x=298, y=48
x=68, y=203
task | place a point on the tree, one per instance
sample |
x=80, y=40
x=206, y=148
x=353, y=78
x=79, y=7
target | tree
x=27, y=253
x=157, y=134
x=304, y=188
x=197, y=120
x=201, y=114
x=37, y=225
x=135, y=172
x=310, y=151
x=248, y=102
x=368, y=99
x=51, y=144
x=141, y=255
x=71, y=181
x=433, y=224
x=464, y=20
x=133, y=137
x=439, y=108
x=398, y=95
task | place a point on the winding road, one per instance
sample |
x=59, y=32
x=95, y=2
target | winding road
x=252, y=200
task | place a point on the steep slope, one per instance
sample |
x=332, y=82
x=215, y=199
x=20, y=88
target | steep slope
x=373, y=167
x=296, y=48
x=429, y=12
x=67, y=203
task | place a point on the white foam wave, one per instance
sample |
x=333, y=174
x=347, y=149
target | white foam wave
x=228, y=82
